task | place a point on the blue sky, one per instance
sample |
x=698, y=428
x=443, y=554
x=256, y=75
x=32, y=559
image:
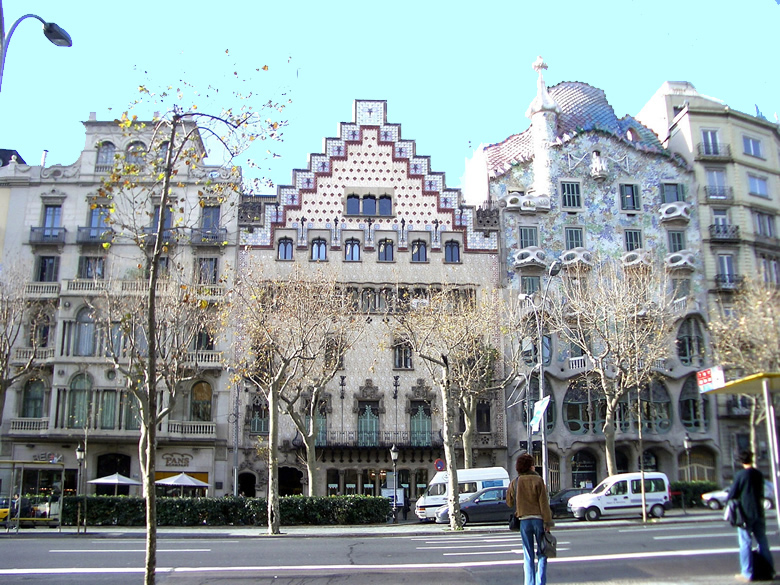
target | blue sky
x=455, y=74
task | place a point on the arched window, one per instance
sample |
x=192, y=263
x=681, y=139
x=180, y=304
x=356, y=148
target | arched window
x=353, y=205
x=369, y=205
x=656, y=407
x=84, y=337
x=583, y=469
x=79, y=402
x=136, y=151
x=419, y=251
x=319, y=250
x=694, y=406
x=690, y=343
x=420, y=423
x=452, y=251
x=368, y=300
x=32, y=399
x=402, y=355
x=533, y=391
x=385, y=250
x=105, y=157
x=531, y=352
x=352, y=250
x=258, y=424
x=385, y=205
x=200, y=402
x=285, y=249
x=581, y=398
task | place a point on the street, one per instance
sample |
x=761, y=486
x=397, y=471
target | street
x=702, y=552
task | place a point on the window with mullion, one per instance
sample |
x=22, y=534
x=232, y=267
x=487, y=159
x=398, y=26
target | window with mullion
x=574, y=238
x=629, y=197
x=352, y=250
x=385, y=250
x=319, y=250
x=676, y=240
x=633, y=240
x=527, y=237
x=570, y=195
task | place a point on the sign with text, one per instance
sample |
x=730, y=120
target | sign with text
x=710, y=379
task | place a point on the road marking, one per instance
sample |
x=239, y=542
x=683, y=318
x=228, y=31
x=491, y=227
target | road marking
x=351, y=568
x=697, y=536
x=464, y=546
x=122, y=550
x=166, y=540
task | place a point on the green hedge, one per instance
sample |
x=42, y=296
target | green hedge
x=228, y=511
x=691, y=491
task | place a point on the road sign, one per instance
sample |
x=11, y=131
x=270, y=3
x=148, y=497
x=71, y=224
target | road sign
x=710, y=379
x=439, y=464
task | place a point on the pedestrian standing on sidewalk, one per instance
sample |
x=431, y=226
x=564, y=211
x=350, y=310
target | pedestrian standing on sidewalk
x=748, y=489
x=527, y=495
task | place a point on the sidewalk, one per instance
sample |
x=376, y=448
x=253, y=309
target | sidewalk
x=403, y=528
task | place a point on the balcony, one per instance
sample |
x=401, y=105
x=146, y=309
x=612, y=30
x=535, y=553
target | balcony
x=724, y=233
x=728, y=281
x=22, y=355
x=47, y=235
x=208, y=237
x=42, y=290
x=150, y=236
x=94, y=235
x=380, y=439
x=719, y=193
x=192, y=429
x=209, y=292
x=204, y=359
x=29, y=426
x=88, y=286
x=713, y=151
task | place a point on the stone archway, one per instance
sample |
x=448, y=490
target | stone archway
x=290, y=481
x=247, y=484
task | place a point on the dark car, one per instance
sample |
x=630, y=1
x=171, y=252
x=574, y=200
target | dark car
x=486, y=505
x=559, y=502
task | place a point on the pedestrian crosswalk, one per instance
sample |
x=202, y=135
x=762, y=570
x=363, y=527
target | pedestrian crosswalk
x=465, y=545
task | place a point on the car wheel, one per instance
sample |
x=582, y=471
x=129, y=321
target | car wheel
x=657, y=511
x=714, y=504
x=463, y=519
x=592, y=514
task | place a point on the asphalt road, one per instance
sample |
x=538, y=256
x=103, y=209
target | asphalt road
x=697, y=553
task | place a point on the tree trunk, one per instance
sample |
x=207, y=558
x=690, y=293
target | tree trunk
x=273, y=462
x=150, y=493
x=609, y=439
x=453, y=500
x=468, y=435
x=311, y=461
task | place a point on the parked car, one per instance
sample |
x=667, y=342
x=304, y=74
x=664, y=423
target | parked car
x=621, y=495
x=717, y=499
x=486, y=505
x=559, y=502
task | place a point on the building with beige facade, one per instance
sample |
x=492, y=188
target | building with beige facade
x=736, y=162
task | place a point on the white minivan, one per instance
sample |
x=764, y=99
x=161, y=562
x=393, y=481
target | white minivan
x=621, y=495
x=469, y=481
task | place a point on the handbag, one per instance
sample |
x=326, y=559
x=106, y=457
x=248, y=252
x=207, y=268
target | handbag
x=734, y=514
x=514, y=523
x=549, y=545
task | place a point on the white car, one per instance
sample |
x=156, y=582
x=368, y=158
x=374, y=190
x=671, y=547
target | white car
x=717, y=499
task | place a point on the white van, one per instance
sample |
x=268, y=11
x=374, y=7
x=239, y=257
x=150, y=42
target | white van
x=469, y=481
x=621, y=495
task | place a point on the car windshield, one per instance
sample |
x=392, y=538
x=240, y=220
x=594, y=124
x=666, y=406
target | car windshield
x=601, y=487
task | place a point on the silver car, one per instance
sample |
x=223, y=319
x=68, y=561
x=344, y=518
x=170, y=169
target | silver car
x=717, y=499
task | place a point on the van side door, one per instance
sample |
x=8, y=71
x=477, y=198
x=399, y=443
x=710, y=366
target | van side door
x=617, y=500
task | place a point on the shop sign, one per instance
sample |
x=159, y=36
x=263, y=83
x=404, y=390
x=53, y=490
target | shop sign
x=176, y=459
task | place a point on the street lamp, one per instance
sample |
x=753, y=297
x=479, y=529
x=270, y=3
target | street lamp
x=553, y=270
x=80, y=453
x=394, y=457
x=56, y=34
x=687, y=447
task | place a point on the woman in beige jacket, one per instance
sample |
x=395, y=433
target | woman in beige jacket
x=527, y=495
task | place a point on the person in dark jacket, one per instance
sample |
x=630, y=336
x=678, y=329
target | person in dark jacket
x=527, y=495
x=748, y=489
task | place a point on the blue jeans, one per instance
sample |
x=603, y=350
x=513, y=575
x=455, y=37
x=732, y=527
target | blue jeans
x=532, y=532
x=745, y=538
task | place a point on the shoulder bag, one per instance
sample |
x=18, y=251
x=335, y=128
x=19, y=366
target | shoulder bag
x=734, y=514
x=549, y=545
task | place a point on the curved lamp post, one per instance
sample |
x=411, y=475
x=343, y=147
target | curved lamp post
x=80, y=454
x=55, y=33
x=553, y=270
x=394, y=457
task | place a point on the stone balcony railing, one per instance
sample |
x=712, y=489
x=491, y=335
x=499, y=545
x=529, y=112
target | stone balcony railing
x=22, y=355
x=42, y=290
x=26, y=426
x=192, y=429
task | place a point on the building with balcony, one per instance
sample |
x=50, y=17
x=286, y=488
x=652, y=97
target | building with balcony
x=57, y=231
x=578, y=185
x=736, y=162
x=382, y=219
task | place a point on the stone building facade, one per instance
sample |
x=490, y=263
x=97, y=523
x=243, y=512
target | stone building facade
x=581, y=184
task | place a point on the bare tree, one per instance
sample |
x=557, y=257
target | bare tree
x=294, y=331
x=620, y=317
x=153, y=198
x=746, y=339
x=25, y=328
x=453, y=332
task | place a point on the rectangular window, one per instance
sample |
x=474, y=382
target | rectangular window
x=752, y=146
x=757, y=186
x=720, y=217
x=633, y=240
x=681, y=287
x=629, y=197
x=48, y=269
x=530, y=284
x=528, y=237
x=207, y=271
x=402, y=355
x=765, y=224
x=483, y=417
x=210, y=217
x=92, y=267
x=570, y=195
x=676, y=240
x=574, y=238
x=672, y=192
x=710, y=144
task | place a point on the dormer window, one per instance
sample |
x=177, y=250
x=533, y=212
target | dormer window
x=105, y=157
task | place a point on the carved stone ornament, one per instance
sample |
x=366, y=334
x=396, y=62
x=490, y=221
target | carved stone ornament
x=682, y=260
x=598, y=166
x=636, y=258
x=524, y=203
x=531, y=256
x=368, y=391
x=577, y=257
x=677, y=210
